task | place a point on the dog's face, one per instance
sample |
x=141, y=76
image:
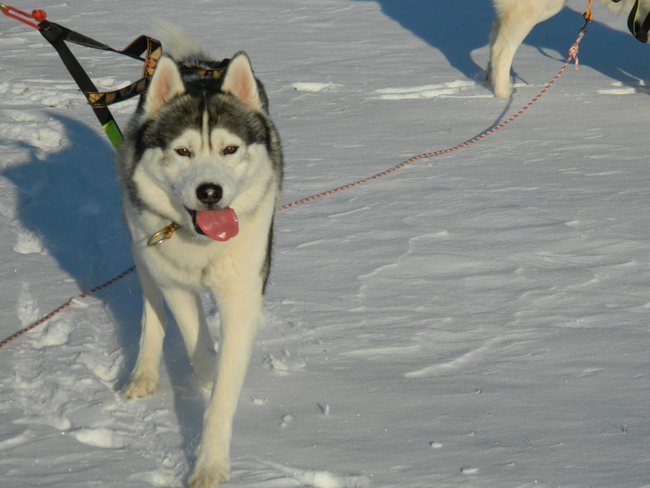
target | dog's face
x=201, y=146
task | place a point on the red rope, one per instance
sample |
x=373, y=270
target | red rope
x=64, y=306
x=573, y=54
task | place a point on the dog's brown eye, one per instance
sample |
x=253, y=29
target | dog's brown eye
x=183, y=151
x=230, y=150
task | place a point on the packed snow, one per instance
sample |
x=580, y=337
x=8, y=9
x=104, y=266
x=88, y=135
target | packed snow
x=474, y=319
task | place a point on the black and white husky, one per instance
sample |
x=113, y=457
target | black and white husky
x=201, y=161
x=516, y=18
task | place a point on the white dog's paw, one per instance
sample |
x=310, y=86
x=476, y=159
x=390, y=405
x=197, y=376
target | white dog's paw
x=209, y=476
x=140, y=387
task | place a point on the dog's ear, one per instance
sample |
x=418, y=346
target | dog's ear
x=240, y=82
x=165, y=85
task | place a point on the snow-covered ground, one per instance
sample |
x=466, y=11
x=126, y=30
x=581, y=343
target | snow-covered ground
x=474, y=319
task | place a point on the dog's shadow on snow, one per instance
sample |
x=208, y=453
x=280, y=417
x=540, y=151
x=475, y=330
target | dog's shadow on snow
x=71, y=200
x=456, y=29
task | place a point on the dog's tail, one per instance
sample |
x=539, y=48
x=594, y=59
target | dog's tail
x=180, y=45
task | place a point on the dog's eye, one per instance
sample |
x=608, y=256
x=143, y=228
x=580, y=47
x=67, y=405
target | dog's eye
x=230, y=150
x=183, y=151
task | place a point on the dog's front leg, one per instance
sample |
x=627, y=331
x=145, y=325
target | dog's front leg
x=509, y=29
x=514, y=21
x=143, y=381
x=240, y=308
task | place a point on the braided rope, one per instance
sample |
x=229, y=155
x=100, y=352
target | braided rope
x=573, y=54
x=66, y=305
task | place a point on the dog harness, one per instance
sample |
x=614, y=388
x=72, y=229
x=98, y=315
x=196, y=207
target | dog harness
x=56, y=34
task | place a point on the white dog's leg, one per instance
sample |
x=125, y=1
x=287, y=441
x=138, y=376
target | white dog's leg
x=144, y=378
x=187, y=309
x=240, y=308
x=514, y=21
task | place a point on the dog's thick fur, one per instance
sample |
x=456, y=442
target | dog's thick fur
x=190, y=132
x=515, y=19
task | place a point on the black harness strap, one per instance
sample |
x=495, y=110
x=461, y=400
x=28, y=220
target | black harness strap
x=56, y=34
x=143, y=44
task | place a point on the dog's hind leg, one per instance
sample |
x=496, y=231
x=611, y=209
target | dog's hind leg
x=144, y=378
x=187, y=309
x=514, y=21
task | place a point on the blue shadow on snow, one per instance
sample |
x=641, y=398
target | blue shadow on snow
x=72, y=200
x=457, y=28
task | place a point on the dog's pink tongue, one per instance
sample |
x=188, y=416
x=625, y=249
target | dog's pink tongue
x=220, y=225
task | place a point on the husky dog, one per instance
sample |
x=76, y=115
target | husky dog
x=201, y=161
x=516, y=18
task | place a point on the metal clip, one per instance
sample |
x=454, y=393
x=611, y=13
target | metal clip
x=160, y=237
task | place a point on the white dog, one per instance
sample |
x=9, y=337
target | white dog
x=516, y=18
x=201, y=170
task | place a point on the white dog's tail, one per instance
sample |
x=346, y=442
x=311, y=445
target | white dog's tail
x=180, y=45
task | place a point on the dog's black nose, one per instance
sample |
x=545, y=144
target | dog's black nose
x=209, y=193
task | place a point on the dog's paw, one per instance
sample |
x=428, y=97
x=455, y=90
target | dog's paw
x=209, y=477
x=141, y=387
